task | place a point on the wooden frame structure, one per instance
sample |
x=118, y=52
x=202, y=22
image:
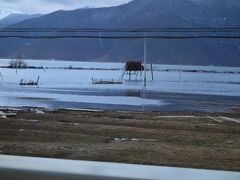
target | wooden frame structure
x=29, y=83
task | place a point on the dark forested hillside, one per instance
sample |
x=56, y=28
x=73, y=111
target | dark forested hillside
x=138, y=13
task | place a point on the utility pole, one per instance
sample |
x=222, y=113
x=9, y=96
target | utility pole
x=180, y=70
x=145, y=60
x=145, y=68
x=1, y=76
x=16, y=65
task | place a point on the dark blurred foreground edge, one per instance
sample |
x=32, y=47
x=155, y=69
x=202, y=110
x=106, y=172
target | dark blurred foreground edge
x=28, y=168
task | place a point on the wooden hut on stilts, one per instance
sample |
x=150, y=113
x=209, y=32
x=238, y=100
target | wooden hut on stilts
x=133, y=66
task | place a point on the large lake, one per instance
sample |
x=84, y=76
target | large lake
x=196, y=88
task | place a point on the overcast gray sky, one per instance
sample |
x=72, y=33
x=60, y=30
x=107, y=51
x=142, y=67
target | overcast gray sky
x=46, y=6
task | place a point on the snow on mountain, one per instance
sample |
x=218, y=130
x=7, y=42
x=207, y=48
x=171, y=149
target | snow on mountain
x=6, y=12
x=88, y=7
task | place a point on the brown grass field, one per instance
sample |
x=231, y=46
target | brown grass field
x=196, y=140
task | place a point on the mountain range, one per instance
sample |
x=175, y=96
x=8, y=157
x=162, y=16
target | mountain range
x=6, y=12
x=135, y=14
x=16, y=18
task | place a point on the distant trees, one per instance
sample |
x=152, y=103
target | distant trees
x=18, y=63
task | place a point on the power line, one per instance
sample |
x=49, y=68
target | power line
x=121, y=37
x=156, y=28
x=145, y=33
x=122, y=30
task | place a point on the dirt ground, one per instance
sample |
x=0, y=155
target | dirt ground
x=197, y=140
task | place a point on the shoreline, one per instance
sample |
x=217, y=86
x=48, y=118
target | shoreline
x=119, y=69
